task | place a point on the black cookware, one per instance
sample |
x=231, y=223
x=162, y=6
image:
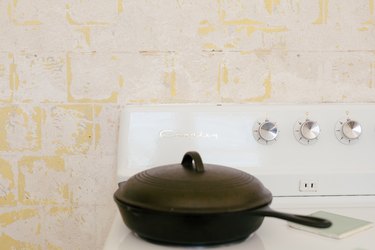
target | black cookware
x=198, y=204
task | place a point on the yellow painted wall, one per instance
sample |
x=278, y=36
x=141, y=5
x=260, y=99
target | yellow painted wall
x=66, y=67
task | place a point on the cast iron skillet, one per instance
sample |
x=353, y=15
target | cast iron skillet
x=198, y=204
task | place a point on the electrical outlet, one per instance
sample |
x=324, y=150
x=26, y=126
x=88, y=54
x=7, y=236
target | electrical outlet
x=308, y=186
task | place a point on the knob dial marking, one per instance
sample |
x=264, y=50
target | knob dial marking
x=265, y=132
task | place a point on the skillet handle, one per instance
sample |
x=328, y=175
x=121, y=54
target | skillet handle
x=299, y=219
x=187, y=161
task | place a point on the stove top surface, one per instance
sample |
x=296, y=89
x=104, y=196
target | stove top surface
x=275, y=234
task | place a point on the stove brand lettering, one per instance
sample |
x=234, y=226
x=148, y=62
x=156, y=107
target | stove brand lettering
x=168, y=133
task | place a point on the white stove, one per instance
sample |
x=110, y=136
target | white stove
x=311, y=157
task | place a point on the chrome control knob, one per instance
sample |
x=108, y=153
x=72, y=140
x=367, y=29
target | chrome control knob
x=306, y=132
x=265, y=132
x=310, y=130
x=268, y=131
x=348, y=131
x=351, y=130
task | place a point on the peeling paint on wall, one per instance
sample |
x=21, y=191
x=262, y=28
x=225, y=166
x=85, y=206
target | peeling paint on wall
x=69, y=129
x=83, y=83
x=270, y=5
x=67, y=68
x=248, y=26
x=11, y=217
x=20, y=128
x=8, y=242
x=7, y=184
x=42, y=180
x=39, y=77
x=6, y=81
x=12, y=15
x=323, y=12
x=370, y=23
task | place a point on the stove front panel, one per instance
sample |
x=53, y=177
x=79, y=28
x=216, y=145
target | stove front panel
x=295, y=150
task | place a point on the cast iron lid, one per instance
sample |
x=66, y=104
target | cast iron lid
x=193, y=187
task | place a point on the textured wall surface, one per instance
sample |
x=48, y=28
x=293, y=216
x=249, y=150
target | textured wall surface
x=66, y=67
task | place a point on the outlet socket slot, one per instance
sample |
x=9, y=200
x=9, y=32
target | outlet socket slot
x=308, y=186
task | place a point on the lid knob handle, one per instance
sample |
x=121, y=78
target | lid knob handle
x=189, y=158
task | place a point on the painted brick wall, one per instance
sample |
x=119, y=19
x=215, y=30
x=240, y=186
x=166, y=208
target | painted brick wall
x=66, y=67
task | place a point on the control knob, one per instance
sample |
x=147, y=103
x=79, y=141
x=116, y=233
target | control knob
x=307, y=132
x=265, y=132
x=348, y=131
